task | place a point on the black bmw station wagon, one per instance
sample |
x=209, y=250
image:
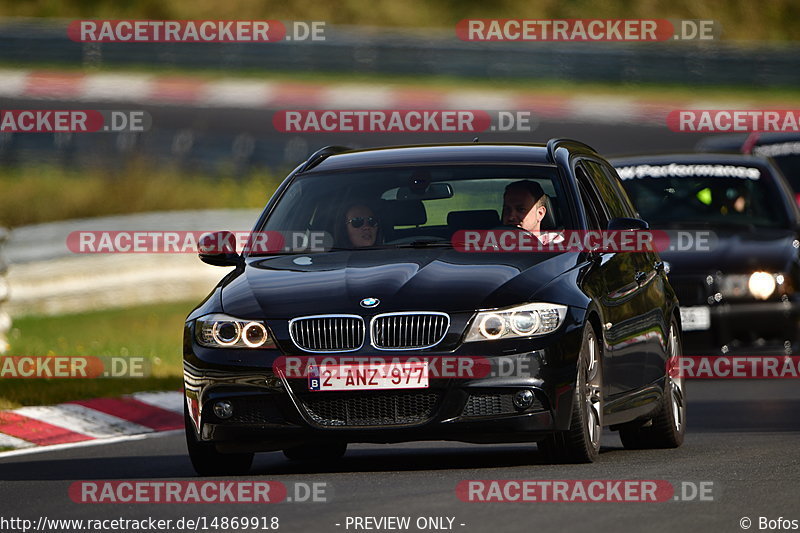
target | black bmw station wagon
x=391, y=330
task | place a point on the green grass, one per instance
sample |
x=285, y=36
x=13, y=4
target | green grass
x=28, y=192
x=153, y=331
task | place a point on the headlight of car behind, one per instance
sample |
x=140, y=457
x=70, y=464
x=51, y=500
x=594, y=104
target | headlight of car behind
x=759, y=285
x=223, y=331
x=527, y=320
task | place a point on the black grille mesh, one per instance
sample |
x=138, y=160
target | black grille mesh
x=254, y=411
x=493, y=404
x=328, y=334
x=405, y=331
x=374, y=409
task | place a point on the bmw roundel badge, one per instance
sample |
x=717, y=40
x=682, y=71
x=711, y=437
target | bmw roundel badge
x=370, y=302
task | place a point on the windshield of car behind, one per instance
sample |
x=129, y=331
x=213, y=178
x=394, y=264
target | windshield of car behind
x=407, y=206
x=704, y=194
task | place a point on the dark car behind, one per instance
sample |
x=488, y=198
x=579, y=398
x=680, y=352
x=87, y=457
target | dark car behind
x=733, y=252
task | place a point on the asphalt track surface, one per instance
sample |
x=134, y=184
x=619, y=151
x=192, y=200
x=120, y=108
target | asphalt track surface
x=742, y=437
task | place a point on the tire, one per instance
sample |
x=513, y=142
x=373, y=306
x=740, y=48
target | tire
x=316, y=452
x=668, y=427
x=581, y=442
x=207, y=461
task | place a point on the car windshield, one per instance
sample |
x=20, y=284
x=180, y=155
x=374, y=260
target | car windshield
x=704, y=194
x=407, y=206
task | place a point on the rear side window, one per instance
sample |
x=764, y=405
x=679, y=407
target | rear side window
x=616, y=183
x=608, y=191
x=596, y=213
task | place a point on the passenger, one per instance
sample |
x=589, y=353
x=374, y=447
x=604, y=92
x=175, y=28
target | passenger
x=524, y=206
x=361, y=225
x=736, y=201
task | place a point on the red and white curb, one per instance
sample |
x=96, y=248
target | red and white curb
x=88, y=420
x=244, y=93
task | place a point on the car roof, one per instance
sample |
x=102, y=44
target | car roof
x=436, y=154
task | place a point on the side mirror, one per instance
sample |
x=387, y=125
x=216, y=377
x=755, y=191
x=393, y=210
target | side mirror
x=219, y=249
x=624, y=224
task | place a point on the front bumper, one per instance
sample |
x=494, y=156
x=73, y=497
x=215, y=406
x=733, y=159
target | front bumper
x=279, y=432
x=747, y=326
x=272, y=413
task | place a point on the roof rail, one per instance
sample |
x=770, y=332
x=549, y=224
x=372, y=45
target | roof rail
x=320, y=155
x=554, y=144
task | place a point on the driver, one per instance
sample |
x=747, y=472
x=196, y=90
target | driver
x=362, y=226
x=524, y=207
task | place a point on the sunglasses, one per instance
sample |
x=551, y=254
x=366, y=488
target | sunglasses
x=357, y=222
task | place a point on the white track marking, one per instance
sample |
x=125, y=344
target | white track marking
x=239, y=93
x=610, y=110
x=7, y=441
x=14, y=83
x=356, y=97
x=171, y=401
x=83, y=420
x=481, y=100
x=116, y=87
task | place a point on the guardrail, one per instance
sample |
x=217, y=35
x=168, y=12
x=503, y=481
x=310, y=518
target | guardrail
x=5, y=318
x=434, y=52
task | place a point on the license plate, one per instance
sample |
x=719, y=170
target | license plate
x=695, y=318
x=368, y=377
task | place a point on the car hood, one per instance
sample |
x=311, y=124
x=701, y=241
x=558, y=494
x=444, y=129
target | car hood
x=737, y=252
x=420, y=279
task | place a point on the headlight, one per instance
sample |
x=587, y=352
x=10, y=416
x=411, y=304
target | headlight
x=760, y=285
x=223, y=331
x=528, y=320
